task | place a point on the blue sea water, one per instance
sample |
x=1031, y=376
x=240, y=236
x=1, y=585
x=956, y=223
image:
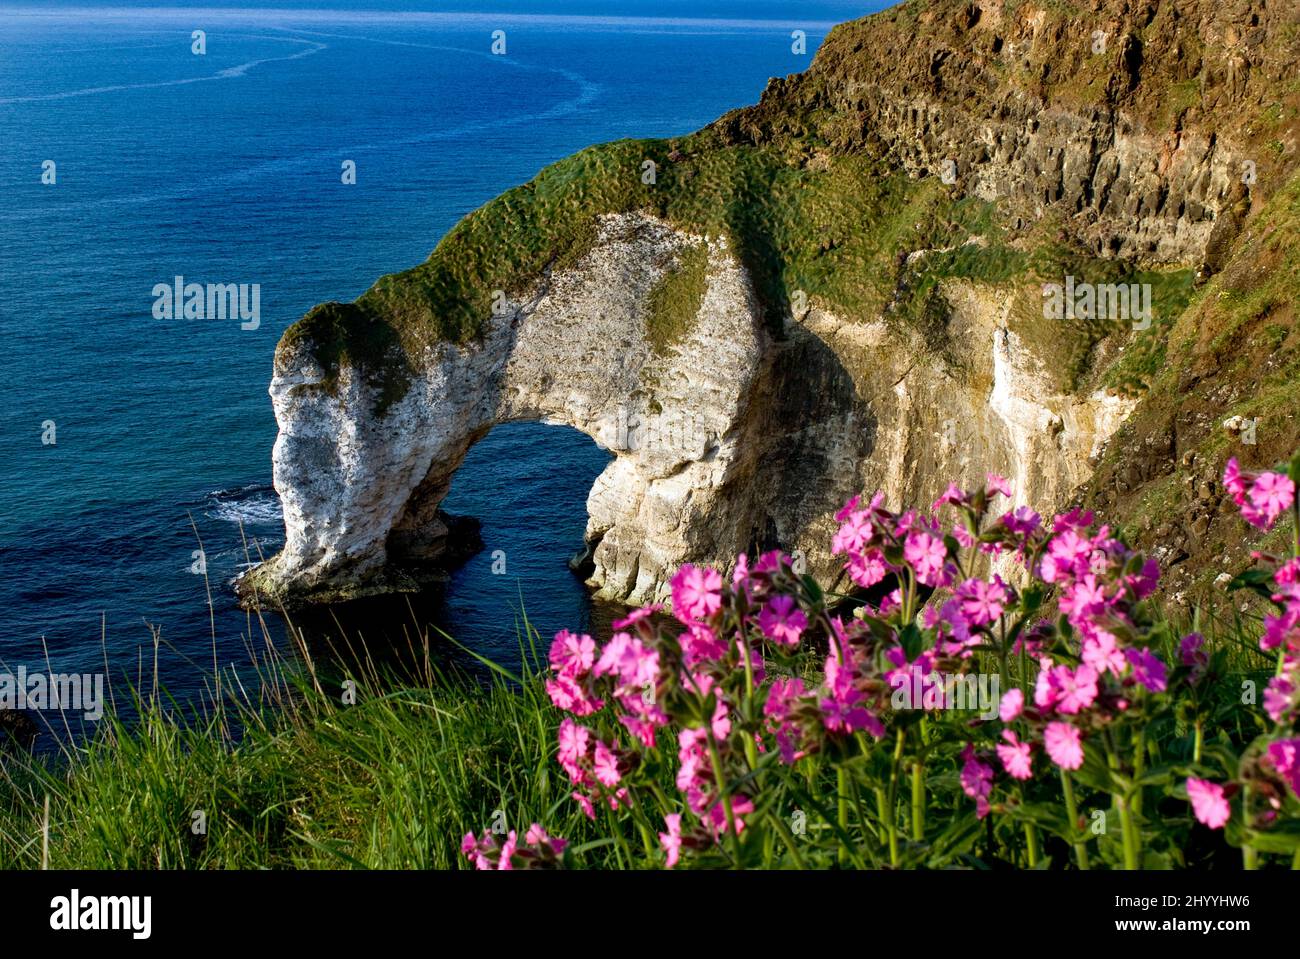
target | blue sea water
x=225, y=167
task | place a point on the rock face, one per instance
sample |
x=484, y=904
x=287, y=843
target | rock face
x=728, y=440
x=752, y=357
x=361, y=492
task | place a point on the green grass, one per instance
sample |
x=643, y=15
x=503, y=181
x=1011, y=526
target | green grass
x=675, y=299
x=834, y=230
x=394, y=780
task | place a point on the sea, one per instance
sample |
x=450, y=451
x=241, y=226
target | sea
x=128, y=157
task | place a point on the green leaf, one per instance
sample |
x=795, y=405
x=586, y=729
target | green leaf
x=910, y=638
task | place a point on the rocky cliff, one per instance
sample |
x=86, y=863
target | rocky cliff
x=840, y=288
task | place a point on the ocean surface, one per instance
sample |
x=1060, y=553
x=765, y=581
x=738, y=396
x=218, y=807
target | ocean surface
x=225, y=167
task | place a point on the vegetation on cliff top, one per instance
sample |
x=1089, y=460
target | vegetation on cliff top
x=803, y=196
x=1150, y=729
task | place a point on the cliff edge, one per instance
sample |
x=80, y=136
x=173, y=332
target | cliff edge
x=846, y=287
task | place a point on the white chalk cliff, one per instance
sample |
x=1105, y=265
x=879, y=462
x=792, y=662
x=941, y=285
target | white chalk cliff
x=728, y=440
x=948, y=154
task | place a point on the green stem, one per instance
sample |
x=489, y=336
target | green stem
x=918, y=800
x=1198, y=742
x=1125, y=816
x=1249, y=854
x=892, y=824
x=1031, y=844
x=790, y=842
x=842, y=797
x=751, y=753
x=1072, y=811
x=882, y=810
x=1139, y=764
x=732, y=836
x=620, y=841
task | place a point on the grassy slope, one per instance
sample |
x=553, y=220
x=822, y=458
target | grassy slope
x=1235, y=351
x=393, y=781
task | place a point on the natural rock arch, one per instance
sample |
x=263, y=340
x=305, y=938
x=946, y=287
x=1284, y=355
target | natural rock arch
x=688, y=415
x=727, y=438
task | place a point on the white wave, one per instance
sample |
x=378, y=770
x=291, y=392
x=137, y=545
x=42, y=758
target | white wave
x=588, y=91
x=228, y=73
x=264, y=509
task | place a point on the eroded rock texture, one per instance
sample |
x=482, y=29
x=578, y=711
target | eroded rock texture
x=727, y=440
x=870, y=242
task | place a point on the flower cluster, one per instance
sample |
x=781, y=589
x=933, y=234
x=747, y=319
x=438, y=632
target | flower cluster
x=1273, y=766
x=537, y=851
x=756, y=689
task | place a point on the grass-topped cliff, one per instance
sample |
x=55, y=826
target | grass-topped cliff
x=1005, y=144
x=820, y=196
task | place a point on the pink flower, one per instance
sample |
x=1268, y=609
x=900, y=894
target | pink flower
x=854, y=534
x=508, y=850
x=1078, y=688
x=635, y=664
x=1066, y=553
x=782, y=621
x=1015, y=756
x=476, y=850
x=867, y=568
x=740, y=806
x=1270, y=496
x=571, y=653
x=981, y=602
x=1288, y=572
x=1082, y=598
x=1190, y=650
x=697, y=593
x=783, y=696
x=1022, y=521
x=1281, y=629
x=634, y=617
x=671, y=841
x=1208, y=802
x=606, y=766
x=996, y=484
x=567, y=694
x=976, y=780
x=1279, y=697
x=1147, y=668
x=537, y=836
x=953, y=494
x=1101, y=652
x=1145, y=581
x=1013, y=702
x=575, y=740
x=740, y=575
x=1234, y=482
x=1063, y=746
x=841, y=709
x=700, y=643
x=926, y=555
x=1285, y=757
x=1046, y=688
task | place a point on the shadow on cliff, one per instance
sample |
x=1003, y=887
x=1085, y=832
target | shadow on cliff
x=808, y=423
